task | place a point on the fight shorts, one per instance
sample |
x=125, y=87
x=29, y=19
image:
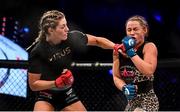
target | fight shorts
x=58, y=98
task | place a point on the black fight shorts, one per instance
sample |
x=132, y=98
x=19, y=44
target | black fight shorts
x=58, y=98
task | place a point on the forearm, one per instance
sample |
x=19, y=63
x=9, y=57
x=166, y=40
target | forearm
x=42, y=85
x=105, y=43
x=100, y=42
x=119, y=83
x=144, y=67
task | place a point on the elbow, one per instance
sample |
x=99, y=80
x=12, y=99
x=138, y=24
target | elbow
x=116, y=82
x=33, y=87
x=149, y=73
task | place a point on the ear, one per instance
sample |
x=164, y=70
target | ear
x=50, y=30
x=145, y=30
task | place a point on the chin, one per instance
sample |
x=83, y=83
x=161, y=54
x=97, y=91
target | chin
x=64, y=38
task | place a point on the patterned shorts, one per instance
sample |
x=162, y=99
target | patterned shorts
x=145, y=101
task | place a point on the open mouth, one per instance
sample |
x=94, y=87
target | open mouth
x=134, y=38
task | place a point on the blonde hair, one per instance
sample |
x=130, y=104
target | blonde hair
x=141, y=20
x=48, y=20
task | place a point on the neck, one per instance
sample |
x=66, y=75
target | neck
x=138, y=45
x=52, y=41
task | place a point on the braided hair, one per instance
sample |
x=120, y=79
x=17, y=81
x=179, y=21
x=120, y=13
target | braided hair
x=48, y=20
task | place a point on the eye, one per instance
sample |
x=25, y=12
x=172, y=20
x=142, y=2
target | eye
x=62, y=27
x=128, y=30
x=135, y=29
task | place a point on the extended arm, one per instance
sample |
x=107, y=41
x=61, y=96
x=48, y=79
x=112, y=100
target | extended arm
x=100, y=42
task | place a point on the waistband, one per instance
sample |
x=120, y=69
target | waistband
x=144, y=86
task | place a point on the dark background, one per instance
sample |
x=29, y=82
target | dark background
x=105, y=18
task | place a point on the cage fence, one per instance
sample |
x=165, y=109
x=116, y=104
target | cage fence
x=93, y=84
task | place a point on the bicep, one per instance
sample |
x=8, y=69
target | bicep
x=35, y=64
x=92, y=40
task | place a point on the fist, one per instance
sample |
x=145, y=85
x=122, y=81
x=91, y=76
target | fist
x=65, y=79
x=128, y=42
x=130, y=91
x=119, y=48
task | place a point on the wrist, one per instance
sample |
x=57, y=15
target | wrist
x=54, y=84
x=131, y=52
x=125, y=90
x=123, y=87
x=115, y=54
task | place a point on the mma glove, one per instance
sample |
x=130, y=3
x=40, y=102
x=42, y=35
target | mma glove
x=131, y=52
x=118, y=47
x=130, y=91
x=129, y=43
x=65, y=79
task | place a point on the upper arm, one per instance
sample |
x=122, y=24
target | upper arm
x=92, y=40
x=35, y=63
x=150, y=54
x=34, y=69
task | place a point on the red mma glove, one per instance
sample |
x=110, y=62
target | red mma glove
x=119, y=48
x=65, y=79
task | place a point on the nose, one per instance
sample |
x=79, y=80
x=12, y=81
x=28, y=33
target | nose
x=132, y=33
x=66, y=29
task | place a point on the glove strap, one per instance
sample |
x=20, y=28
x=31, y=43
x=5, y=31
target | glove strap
x=131, y=52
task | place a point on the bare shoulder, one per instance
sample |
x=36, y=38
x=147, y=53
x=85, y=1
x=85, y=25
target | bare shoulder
x=150, y=47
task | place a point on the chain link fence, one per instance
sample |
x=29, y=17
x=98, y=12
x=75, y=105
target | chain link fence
x=93, y=84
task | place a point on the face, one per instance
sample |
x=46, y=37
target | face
x=134, y=29
x=60, y=32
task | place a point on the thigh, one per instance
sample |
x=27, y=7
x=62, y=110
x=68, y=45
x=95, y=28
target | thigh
x=77, y=106
x=150, y=102
x=43, y=106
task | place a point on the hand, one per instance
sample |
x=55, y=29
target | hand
x=119, y=48
x=131, y=52
x=65, y=79
x=130, y=91
x=128, y=42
